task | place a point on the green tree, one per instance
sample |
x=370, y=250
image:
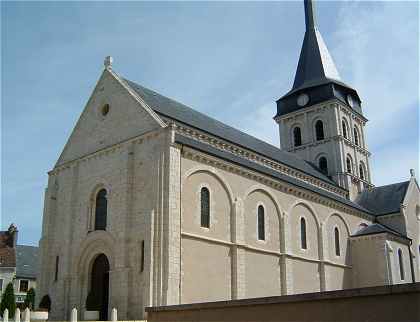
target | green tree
x=30, y=299
x=8, y=300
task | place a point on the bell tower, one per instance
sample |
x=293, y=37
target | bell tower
x=321, y=118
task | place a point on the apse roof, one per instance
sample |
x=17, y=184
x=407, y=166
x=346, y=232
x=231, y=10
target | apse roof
x=384, y=199
x=377, y=228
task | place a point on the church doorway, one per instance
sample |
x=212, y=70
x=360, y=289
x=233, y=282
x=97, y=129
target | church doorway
x=97, y=299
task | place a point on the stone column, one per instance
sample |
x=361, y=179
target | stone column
x=322, y=250
x=237, y=252
x=286, y=269
x=172, y=222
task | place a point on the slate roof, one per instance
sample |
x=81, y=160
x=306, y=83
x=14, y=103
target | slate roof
x=26, y=261
x=385, y=199
x=169, y=108
x=377, y=228
x=316, y=73
x=184, y=114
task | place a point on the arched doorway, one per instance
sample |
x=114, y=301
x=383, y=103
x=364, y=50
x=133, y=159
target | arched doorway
x=97, y=299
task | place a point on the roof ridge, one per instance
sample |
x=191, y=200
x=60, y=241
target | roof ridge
x=392, y=184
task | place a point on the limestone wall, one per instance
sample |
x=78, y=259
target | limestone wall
x=235, y=195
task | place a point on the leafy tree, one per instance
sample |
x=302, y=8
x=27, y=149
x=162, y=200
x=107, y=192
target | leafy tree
x=30, y=299
x=8, y=300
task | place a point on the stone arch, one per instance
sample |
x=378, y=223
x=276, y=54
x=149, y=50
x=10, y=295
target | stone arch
x=211, y=171
x=292, y=134
x=263, y=190
x=348, y=129
x=341, y=218
x=273, y=222
x=324, y=125
x=313, y=229
x=344, y=237
x=91, y=202
x=96, y=243
x=221, y=202
x=327, y=159
x=310, y=209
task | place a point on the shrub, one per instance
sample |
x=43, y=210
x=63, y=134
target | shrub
x=8, y=301
x=45, y=303
x=30, y=299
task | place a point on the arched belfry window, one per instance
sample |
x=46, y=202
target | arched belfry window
x=349, y=164
x=101, y=209
x=297, y=136
x=362, y=171
x=344, y=125
x=356, y=136
x=401, y=262
x=261, y=222
x=303, y=243
x=319, y=130
x=323, y=165
x=205, y=207
x=337, y=241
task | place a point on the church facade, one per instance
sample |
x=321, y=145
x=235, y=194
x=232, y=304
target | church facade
x=153, y=203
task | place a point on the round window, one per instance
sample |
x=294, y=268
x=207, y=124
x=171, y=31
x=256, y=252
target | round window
x=105, y=110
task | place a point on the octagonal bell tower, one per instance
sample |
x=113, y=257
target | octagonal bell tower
x=321, y=118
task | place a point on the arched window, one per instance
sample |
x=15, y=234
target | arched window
x=319, y=130
x=323, y=165
x=297, y=136
x=101, y=209
x=337, y=241
x=57, y=261
x=344, y=125
x=303, y=244
x=362, y=171
x=349, y=164
x=261, y=222
x=142, y=257
x=400, y=260
x=205, y=207
x=356, y=136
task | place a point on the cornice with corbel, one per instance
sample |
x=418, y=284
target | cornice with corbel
x=254, y=157
x=276, y=184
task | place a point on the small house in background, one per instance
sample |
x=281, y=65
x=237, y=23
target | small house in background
x=18, y=264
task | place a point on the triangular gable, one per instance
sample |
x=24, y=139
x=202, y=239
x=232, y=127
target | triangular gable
x=413, y=192
x=98, y=127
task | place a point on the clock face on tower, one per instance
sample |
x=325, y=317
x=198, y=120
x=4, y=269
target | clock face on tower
x=302, y=99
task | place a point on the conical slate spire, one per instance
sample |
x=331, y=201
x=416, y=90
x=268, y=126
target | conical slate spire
x=316, y=65
x=309, y=14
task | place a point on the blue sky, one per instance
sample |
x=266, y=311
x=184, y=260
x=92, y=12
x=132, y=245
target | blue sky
x=231, y=60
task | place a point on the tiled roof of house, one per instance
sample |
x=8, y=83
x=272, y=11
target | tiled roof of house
x=7, y=257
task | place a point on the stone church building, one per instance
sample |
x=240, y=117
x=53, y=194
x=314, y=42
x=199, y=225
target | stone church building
x=153, y=203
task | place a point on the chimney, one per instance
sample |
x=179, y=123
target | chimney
x=13, y=235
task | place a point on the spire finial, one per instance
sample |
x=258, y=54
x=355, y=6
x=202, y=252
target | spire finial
x=108, y=62
x=309, y=14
